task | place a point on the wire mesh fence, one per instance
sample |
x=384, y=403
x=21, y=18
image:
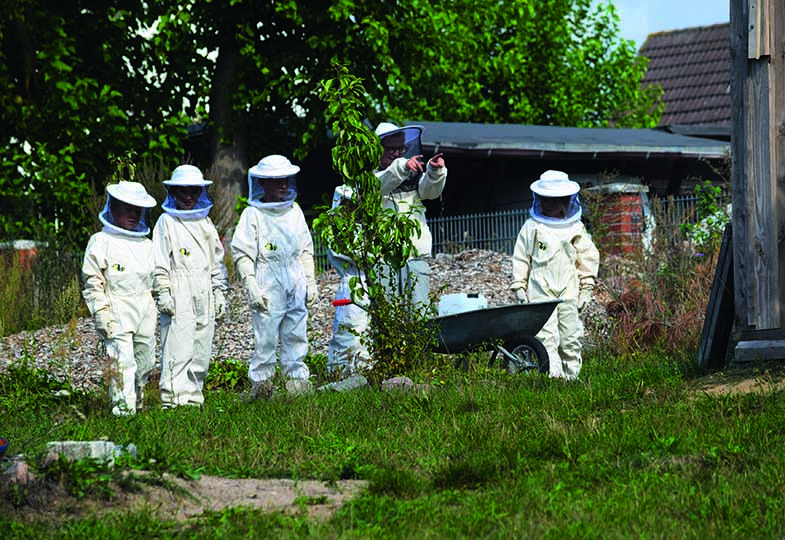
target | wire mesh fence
x=497, y=231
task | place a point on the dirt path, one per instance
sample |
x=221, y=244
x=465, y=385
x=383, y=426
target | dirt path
x=742, y=382
x=216, y=494
x=180, y=499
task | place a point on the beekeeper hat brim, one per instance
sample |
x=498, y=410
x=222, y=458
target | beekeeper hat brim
x=132, y=193
x=411, y=133
x=555, y=184
x=187, y=175
x=273, y=166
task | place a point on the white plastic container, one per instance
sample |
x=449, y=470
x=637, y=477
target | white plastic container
x=450, y=304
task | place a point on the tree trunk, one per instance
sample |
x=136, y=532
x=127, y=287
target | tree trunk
x=228, y=139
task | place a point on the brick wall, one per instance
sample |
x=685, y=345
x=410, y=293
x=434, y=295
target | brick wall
x=23, y=250
x=621, y=218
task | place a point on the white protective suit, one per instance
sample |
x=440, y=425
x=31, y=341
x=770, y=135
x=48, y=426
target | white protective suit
x=117, y=271
x=189, y=282
x=273, y=252
x=404, y=190
x=347, y=354
x=555, y=258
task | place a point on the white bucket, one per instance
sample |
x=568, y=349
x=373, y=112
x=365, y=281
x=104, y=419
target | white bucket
x=450, y=304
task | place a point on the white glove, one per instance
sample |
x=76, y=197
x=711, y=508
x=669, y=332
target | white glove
x=165, y=303
x=104, y=323
x=311, y=294
x=255, y=296
x=584, y=297
x=220, y=304
x=522, y=296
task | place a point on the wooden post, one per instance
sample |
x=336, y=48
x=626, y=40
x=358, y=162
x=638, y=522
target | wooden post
x=758, y=111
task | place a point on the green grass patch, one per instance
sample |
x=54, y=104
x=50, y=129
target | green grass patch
x=628, y=451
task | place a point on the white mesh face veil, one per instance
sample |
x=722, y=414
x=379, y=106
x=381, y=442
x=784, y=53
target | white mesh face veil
x=556, y=184
x=412, y=137
x=106, y=218
x=572, y=211
x=256, y=193
x=273, y=166
x=188, y=176
x=200, y=210
x=131, y=193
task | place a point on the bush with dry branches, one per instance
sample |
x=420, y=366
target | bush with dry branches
x=658, y=299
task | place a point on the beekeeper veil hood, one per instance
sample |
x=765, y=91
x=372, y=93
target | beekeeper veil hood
x=556, y=184
x=277, y=167
x=132, y=193
x=412, y=137
x=188, y=175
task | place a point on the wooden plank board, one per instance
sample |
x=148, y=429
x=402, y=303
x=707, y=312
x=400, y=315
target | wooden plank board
x=739, y=39
x=759, y=33
x=762, y=250
x=720, y=312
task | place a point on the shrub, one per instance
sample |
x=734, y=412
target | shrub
x=713, y=216
x=45, y=292
x=659, y=299
x=227, y=374
x=374, y=237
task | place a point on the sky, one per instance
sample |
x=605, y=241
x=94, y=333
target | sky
x=639, y=18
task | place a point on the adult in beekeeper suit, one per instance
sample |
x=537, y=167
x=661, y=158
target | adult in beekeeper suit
x=346, y=353
x=273, y=253
x=555, y=258
x=117, y=272
x=405, y=183
x=189, y=282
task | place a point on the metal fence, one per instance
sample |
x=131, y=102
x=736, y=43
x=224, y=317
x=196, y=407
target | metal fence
x=497, y=231
x=684, y=209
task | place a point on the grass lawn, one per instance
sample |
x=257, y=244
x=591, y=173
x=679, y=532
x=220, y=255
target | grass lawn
x=633, y=450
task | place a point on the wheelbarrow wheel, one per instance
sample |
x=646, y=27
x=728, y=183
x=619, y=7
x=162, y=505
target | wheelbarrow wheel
x=530, y=355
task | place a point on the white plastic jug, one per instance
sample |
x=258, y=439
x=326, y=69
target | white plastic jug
x=450, y=304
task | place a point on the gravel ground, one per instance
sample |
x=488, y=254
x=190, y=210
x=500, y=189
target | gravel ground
x=72, y=352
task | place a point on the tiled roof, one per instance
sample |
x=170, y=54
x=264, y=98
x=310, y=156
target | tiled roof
x=693, y=67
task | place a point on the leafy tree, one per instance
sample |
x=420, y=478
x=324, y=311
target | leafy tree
x=536, y=62
x=543, y=62
x=81, y=85
x=87, y=79
x=372, y=236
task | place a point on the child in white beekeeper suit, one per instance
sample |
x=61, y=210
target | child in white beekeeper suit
x=555, y=258
x=272, y=250
x=117, y=271
x=405, y=183
x=346, y=353
x=189, y=282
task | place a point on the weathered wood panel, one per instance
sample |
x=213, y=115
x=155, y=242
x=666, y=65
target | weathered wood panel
x=740, y=175
x=762, y=250
x=758, y=29
x=756, y=102
x=718, y=324
x=777, y=35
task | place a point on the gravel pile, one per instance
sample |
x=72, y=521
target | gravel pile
x=73, y=352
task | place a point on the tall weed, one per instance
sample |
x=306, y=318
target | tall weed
x=16, y=284
x=659, y=298
x=42, y=293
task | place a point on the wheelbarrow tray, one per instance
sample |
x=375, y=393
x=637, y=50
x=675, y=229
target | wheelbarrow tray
x=476, y=330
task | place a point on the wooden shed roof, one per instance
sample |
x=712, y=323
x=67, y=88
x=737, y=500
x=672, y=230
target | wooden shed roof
x=693, y=67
